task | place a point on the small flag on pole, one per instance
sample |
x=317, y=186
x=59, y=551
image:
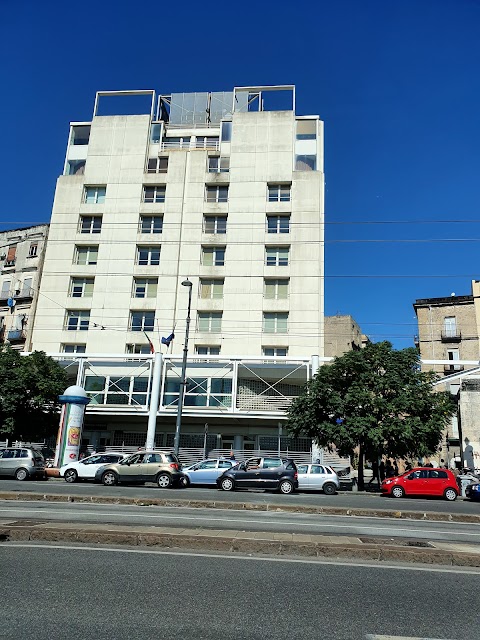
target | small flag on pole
x=168, y=340
x=152, y=348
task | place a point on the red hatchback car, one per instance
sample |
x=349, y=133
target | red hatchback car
x=422, y=481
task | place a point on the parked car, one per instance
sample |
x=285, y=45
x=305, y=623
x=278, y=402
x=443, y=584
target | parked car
x=316, y=477
x=472, y=491
x=22, y=463
x=206, y=471
x=279, y=474
x=422, y=481
x=144, y=466
x=86, y=469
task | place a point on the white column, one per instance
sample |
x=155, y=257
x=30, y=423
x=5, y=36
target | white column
x=154, y=401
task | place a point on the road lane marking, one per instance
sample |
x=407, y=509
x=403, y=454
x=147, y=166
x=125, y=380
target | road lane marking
x=353, y=528
x=464, y=571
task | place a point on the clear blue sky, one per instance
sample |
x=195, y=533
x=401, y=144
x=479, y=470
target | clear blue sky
x=397, y=83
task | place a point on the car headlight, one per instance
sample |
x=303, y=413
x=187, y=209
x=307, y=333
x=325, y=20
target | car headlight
x=388, y=481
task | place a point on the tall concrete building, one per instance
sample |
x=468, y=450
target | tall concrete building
x=225, y=190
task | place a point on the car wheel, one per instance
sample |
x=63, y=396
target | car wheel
x=450, y=494
x=227, y=484
x=109, y=478
x=285, y=486
x=71, y=475
x=329, y=489
x=397, y=492
x=164, y=481
x=21, y=474
x=184, y=482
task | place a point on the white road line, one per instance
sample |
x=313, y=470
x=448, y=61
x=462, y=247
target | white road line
x=250, y=521
x=464, y=571
x=369, y=636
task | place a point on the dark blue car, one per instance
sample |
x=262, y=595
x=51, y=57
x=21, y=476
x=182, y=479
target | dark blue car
x=472, y=491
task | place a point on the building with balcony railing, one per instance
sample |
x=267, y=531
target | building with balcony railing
x=21, y=261
x=225, y=189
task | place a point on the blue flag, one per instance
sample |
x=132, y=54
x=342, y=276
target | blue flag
x=168, y=340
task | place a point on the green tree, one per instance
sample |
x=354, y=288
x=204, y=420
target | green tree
x=29, y=390
x=374, y=401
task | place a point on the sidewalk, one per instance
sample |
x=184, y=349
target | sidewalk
x=236, y=541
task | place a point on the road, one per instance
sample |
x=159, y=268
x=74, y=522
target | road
x=127, y=594
x=346, y=500
x=189, y=518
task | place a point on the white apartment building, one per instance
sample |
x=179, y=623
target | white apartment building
x=21, y=260
x=218, y=188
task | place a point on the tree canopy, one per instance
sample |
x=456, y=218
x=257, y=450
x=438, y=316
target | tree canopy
x=29, y=390
x=375, y=401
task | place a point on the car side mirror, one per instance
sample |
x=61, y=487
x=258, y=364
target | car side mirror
x=410, y=476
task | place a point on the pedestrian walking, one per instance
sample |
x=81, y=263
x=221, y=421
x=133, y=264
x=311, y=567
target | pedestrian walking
x=381, y=471
x=374, y=472
x=395, y=467
x=232, y=455
x=389, y=471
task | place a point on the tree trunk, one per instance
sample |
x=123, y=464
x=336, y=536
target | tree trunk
x=361, y=480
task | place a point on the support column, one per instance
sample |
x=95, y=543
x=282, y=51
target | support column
x=154, y=401
x=315, y=364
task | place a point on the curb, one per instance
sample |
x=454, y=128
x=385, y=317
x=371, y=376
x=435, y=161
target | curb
x=233, y=544
x=247, y=506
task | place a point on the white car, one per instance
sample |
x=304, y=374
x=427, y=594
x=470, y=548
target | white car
x=316, y=477
x=86, y=469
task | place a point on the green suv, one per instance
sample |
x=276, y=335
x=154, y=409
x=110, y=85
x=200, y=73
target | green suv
x=160, y=467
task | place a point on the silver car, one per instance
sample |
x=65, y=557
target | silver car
x=207, y=471
x=317, y=477
x=22, y=463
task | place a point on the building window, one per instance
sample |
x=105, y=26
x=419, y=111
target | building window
x=80, y=135
x=154, y=194
x=206, y=142
x=148, y=256
x=155, y=133
x=275, y=351
x=217, y=193
x=276, y=256
x=95, y=195
x=86, y=254
x=158, y=165
x=5, y=293
x=145, y=287
x=73, y=348
x=211, y=289
x=306, y=129
x=209, y=321
x=217, y=164
x=138, y=348
x=213, y=256
x=75, y=168
x=90, y=224
x=81, y=287
x=150, y=224
x=77, y=320
x=142, y=320
x=226, y=131
x=279, y=193
x=276, y=289
x=215, y=224
x=450, y=326
x=207, y=350
x=27, y=291
x=305, y=163
x=275, y=322
x=199, y=392
x=33, y=250
x=11, y=256
x=278, y=224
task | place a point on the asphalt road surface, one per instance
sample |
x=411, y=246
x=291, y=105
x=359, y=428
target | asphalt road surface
x=188, y=518
x=67, y=592
x=348, y=500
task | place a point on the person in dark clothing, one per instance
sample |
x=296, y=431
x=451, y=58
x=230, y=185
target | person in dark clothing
x=395, y=468
x=381, y=471
x=374, y=472
x=389, y=470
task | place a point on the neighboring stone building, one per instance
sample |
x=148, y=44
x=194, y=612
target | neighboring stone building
x=448, y=340
x=216, y=188
x=21, y=260
x=342, y=334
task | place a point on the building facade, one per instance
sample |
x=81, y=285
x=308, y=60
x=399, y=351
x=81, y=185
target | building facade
x=448, y=340
x=212, y=189
x=21, y=260
x=342, y=334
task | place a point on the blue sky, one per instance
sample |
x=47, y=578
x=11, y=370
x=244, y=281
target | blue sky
x=396, y=82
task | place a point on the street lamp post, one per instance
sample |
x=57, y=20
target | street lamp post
x=183, y=379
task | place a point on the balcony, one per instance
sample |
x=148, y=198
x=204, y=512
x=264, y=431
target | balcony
x=451, y=335
x=16, y=335
x=453, y=368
